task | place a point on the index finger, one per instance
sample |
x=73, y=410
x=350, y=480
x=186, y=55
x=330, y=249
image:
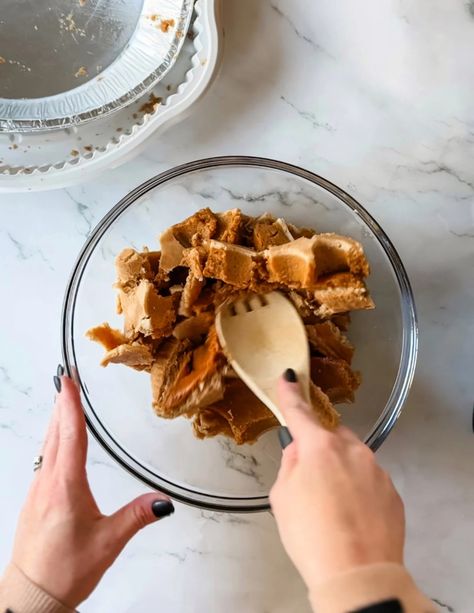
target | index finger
x=51, y=441
x=72, y=451
x=298, y=415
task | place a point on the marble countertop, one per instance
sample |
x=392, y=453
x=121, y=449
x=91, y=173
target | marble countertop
x=377, y=97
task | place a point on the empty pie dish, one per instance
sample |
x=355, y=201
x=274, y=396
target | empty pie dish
x=216, y=473
x=65, y=62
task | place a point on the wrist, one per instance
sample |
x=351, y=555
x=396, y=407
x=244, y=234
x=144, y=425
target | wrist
x=19, y=593
x=363, y=586
x=344, y=557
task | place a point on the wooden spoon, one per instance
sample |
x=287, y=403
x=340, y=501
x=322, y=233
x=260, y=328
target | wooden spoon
x=262, y=336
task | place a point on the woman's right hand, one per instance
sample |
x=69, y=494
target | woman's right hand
x=336, y=509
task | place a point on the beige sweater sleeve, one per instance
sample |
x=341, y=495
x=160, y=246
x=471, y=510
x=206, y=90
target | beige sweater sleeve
x=370, y=585
x=344, y=593
x=20, y=595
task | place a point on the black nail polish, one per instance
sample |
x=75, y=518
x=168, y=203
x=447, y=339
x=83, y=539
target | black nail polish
x=57, y=383
x=290, y=375
x=284, y=436
x=162, y=508
x=60, y=370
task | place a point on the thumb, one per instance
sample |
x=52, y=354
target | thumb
x=141, y=512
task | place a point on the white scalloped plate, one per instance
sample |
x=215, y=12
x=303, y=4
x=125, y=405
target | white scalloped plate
x=59, y=158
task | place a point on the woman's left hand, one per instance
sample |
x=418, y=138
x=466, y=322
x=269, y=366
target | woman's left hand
x=63, y=542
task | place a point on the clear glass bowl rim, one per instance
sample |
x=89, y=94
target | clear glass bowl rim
x=409, y=343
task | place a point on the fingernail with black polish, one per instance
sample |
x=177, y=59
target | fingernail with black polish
x=162, y=508
x=57, y=383
x=290, y=375
x=284, y=436
x=60, y=370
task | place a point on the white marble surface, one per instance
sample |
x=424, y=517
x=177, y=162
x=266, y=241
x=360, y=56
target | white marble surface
x=376, y=96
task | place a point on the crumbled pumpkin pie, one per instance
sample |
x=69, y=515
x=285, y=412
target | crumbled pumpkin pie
x=169, y=298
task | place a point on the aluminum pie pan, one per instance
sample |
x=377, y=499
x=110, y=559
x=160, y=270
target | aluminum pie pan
x=146, y=35
x=61, y=158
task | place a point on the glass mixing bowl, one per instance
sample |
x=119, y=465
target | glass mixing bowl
x=216, y=473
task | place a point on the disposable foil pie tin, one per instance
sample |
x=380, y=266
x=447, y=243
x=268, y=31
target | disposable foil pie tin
x=66, y=62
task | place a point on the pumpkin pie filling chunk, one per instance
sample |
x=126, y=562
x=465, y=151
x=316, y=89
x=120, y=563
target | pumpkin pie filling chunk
x=168, y=300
